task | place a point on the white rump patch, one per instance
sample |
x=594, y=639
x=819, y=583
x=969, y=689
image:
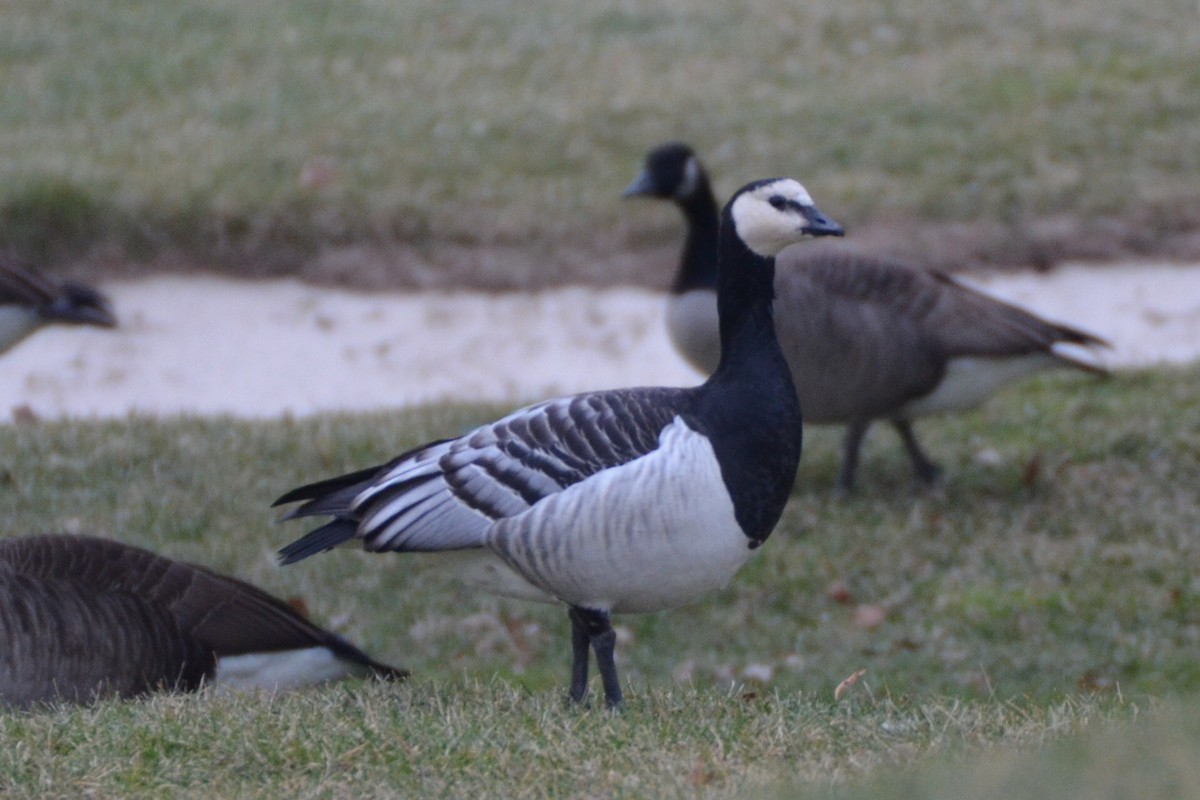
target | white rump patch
x=971, y=380
x=1078, y=355
x=287, y=669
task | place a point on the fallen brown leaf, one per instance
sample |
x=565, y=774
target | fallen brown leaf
x=868, y=617
x=846, y=684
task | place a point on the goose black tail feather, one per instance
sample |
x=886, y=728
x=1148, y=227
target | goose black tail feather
x=343, y=649
x=326, y=537
x=1075, y=336
x=315, y=491
x=311, y=491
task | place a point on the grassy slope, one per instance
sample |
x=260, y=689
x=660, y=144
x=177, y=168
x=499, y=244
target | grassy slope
x=298, y=136
x=1153, y=759
x=1058, y=560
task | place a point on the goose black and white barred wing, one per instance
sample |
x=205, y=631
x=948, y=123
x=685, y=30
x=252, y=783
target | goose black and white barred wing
x=445, y=495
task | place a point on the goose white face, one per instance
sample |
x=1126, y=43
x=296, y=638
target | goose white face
x=774, y=214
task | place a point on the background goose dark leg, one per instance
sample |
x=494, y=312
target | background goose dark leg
x=851, y=445
x=927, y=472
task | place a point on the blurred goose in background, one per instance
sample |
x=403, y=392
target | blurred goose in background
x=622, y=501
x=866, y=338
x=84, y=618
x=28, y=301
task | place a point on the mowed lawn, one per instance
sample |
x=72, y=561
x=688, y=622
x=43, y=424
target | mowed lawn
x=386, y=142
x=1048, y=589
x=1030, y=629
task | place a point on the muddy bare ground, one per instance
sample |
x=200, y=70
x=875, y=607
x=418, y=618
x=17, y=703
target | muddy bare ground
x=641, y=254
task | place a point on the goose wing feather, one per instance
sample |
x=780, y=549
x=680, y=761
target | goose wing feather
x=64, y=642
x=87, y=614
x=856, y=326
x=445, y=495
x=883, y=332
x=965, y=322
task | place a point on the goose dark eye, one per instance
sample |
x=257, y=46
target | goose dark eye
x=778, y=202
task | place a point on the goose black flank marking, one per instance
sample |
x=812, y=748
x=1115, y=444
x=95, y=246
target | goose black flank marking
x=29, y=301
x=83, y=618
x=630, y=500
x=866, y=338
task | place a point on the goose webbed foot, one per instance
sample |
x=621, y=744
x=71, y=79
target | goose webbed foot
x=594, y=630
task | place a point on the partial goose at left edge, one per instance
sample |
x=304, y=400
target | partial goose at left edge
x=29, y=301
x=84, y=618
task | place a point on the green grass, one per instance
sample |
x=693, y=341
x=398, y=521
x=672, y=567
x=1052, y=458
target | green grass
x=321, y=138
x=485, y=740
x=1048, y=589
x=1154, y=758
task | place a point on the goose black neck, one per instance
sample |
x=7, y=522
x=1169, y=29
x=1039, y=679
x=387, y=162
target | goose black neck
x=745, y=294
x=754, y=421
x=698, y=268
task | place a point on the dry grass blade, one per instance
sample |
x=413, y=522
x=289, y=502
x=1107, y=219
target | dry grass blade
x=847, y=684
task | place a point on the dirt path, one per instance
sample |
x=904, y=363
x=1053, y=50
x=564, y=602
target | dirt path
x=211, y=345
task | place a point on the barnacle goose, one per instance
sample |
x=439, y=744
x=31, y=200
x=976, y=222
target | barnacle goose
x=866, y=338
x=631, y=500
x=83, y=618
x=28, y=301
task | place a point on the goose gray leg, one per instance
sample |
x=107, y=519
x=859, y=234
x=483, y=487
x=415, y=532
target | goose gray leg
x=579, y=657
x=927, y=472
x=855, y=432
x=594, y=629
